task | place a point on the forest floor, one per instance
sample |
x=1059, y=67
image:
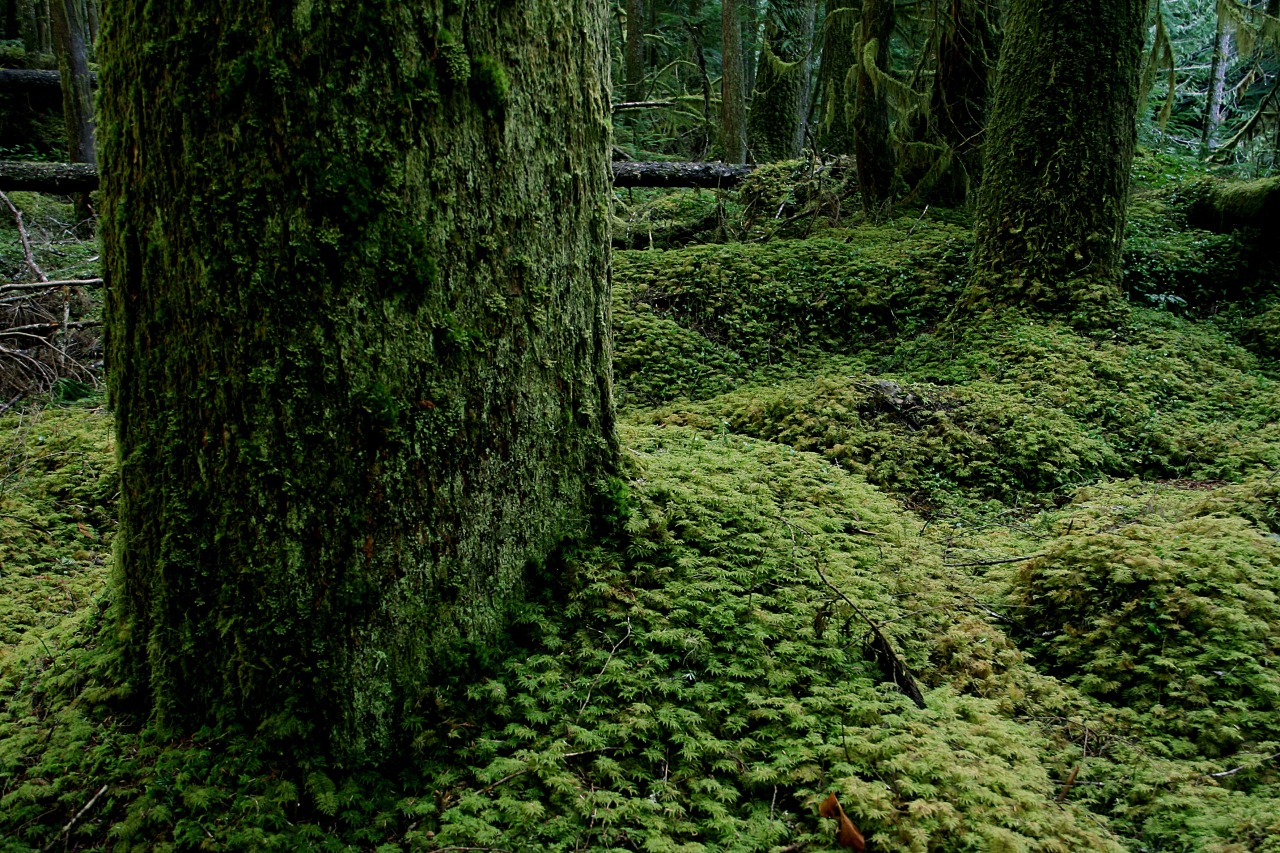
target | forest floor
x=997, y=583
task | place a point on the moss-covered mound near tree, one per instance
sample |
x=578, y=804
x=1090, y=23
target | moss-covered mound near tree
x=1018, y=408
x=1166, y=607
x=697, y=321
x=702, y=320
x=702, y=686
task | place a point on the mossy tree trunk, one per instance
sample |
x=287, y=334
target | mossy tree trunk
x=1217, y=87
x=1051, y=211
x=836, y=76
x=358, y=343
x=71, y=31
x=966, y=51
x=733, y=86
x=775, y=123
x=872, y=154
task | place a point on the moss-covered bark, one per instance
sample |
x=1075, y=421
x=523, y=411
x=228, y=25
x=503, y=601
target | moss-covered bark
x=835, y=77
x=966, y=50
x=358, y=342
x=775, y=121
x=71, y=31
x=733, y=86
x=1051, y=211
x=874, y=157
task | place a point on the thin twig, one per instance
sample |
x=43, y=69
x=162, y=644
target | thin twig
x=600, y=674
x=1236, y=770
x=923, y=213
x=26, y=241
x=76, y=819
x=993, y=562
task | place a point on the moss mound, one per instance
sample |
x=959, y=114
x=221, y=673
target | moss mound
x=702, y=690
x=1169, y=610
x=691, y=322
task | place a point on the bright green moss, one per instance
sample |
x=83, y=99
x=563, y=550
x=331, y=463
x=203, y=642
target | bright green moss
x=1163, y=608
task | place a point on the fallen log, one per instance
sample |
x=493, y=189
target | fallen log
x=55, y=178
x=29, y=81
x=1226, y=205
x=65, y=178
x=709, y=175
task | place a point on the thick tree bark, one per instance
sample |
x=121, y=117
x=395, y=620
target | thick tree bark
x=966, y=50
x=71, y=31
x=1051, y=211
x=808, y=30
x=872, y=154
x=835, y=76
x=733, y=86
x=775, y=123
x=358, y=344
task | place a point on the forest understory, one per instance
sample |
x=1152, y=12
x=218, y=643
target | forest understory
x=997, y=583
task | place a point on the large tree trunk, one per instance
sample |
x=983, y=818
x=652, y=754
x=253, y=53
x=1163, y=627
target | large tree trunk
x=872, y=154
x=1060, y=142
x=775, y=124
x=358, y=343
x=733, y=86
x=835, y=76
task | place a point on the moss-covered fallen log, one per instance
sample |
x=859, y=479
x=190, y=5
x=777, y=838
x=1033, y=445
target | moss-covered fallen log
x=667, y=175
x=1226, y=205
x=57, y=178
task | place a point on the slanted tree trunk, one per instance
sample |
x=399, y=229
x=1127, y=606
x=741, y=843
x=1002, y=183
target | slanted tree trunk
x=1051, y=211
x=836, y=76
x=358, y=344
x=874, y=157
x=733, y=87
